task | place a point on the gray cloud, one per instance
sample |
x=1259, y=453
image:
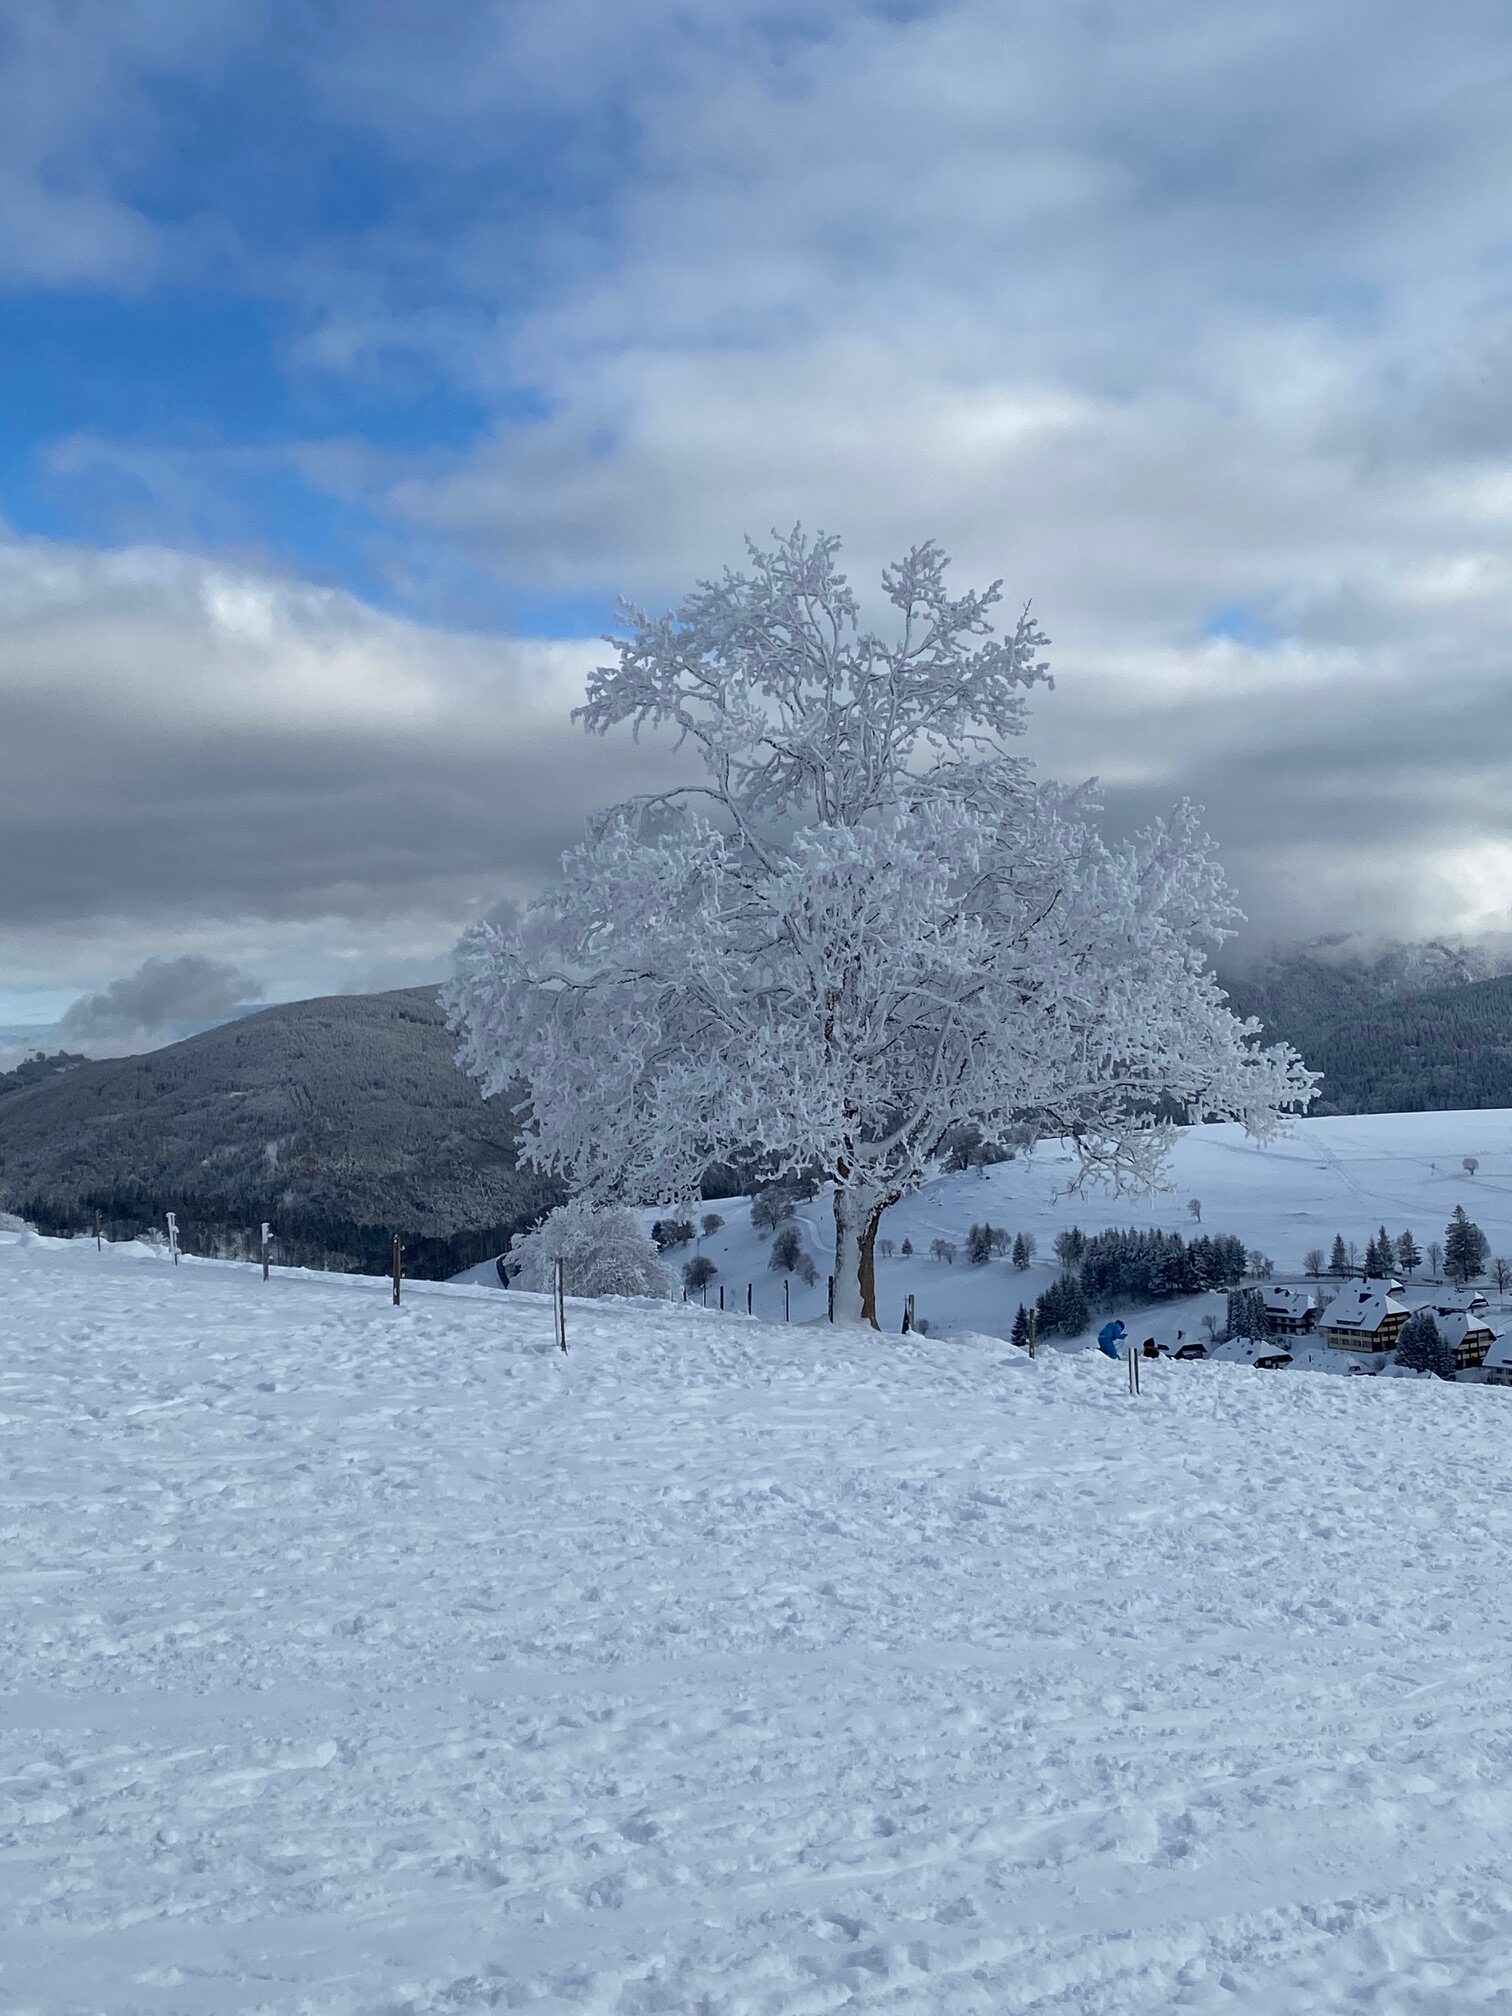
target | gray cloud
x=162, y=996
x=1178, y=319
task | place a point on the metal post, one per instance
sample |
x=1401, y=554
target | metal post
x=398, y=1268
x=750, y=1298
x=559, y=1300
x=173, y=1237
x=721, y=1298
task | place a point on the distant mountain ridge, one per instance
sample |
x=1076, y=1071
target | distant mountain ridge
x=341, y=1121
x=1412, y=1029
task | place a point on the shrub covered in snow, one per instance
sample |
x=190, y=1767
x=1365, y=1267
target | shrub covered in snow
x=603, y=1250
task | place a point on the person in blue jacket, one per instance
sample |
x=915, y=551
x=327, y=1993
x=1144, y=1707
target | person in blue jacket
x=1110, y=1337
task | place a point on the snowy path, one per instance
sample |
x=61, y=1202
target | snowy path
x=361, y=1660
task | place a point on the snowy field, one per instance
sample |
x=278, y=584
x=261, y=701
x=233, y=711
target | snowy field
x=363, y=1660
x=1345, y=1175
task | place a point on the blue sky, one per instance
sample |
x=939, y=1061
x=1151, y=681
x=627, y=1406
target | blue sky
x=358, y=356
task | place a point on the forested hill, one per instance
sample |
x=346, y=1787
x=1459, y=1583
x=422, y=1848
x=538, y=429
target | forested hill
x=1384, y=1041
x=341, y=1121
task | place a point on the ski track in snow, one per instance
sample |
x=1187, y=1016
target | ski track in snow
x=369, y=1660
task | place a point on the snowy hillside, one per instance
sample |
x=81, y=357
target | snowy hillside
x=1345, y=1175
x=365, y=1660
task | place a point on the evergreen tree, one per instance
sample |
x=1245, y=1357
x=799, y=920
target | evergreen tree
x=1421, y=1349
x=1466, y=1249
x=1023, y=1251
x=979, y=1245
x=1338, y=1259
x=1063, y=1309
x=1070, y=1247
x=1408, y=1258
x=1019, y=1334
x=1385, y=1254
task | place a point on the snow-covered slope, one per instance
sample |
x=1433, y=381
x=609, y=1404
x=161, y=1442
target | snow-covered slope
x=1337, y=1175
x=366, y=1660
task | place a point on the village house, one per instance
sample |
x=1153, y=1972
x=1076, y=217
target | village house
x=1289, y=1312
x=1496, y=1366
x=1364, y=1318
x=1463, y=1328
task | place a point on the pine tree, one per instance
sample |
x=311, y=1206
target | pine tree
x=1019, y=1334
x=1338, y=1259
x=1408, y=1258
x=1023, y=1251
x=1466, y=1249
x=1385, y=1254
x=1071, y=1247
x=1421, y=1349
x=979, y=1245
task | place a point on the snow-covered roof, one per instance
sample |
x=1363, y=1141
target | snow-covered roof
x=1456, y=1324
x=1362, y=1310
x=1281, y=1300
x=1499, y=1357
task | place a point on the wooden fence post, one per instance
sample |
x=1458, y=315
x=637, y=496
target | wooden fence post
x=787, y=1300
x=1033, y=1332
x=173, y=1236
x=398, y=1264
x=908, y=1314
x=98, y=1247
x=267, y=1240
x=721, y=1298
x=831, y=1298
x=750, y=1298
x=559, y=1301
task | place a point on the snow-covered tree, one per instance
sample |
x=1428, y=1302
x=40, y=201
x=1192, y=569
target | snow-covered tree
x=602, y=1248
x=1338, y=1259
x=1466, y=1249
x=865, y=925
x=1421, y=1348
x=1019, y=1334
x=1312, y=1263
x=1408, y=1258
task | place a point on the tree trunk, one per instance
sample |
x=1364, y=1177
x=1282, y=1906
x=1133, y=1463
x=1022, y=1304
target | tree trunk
x=857, y=1216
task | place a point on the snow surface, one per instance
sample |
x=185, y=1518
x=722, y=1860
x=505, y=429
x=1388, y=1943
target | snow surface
x=371, y=1660
x=1334, y=1175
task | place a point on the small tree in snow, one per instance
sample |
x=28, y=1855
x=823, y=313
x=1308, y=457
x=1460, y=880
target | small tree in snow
x=866, y=925
x=1071, y=1247
x=1194, y=1207
x=886, y=1248
x=787, y=1251
x=1435, y=1257
x=770, y=1208
x=1019, y=1334
x=1338, y=1259
x=711, y=1223
x=1023, y=1251
x=1408, y=1258
x=906, y=1249
x=1470, y=1165
x=943, y=1249
x=979, y=1245
x=1313, y=1263
x=1501, y=1274
x=603, y=1251
x=698, y=1273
